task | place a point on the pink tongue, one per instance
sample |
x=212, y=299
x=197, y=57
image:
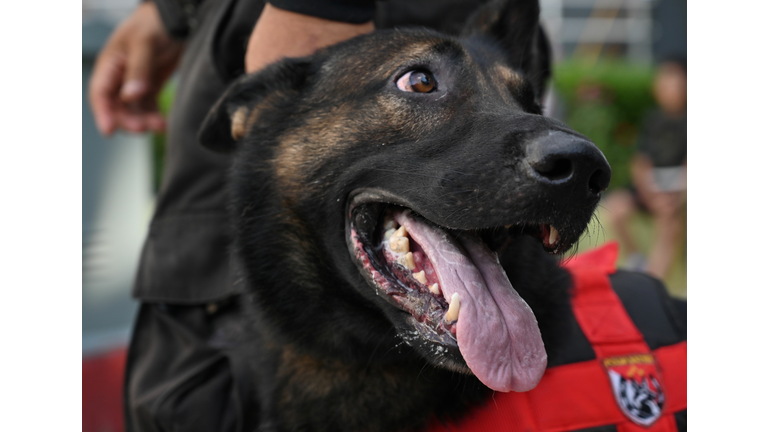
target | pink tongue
x=497, y=332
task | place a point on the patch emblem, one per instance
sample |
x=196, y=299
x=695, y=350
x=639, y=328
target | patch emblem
x=636, y=386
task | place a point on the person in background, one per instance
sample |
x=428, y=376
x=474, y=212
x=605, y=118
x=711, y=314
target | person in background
x=658, y=172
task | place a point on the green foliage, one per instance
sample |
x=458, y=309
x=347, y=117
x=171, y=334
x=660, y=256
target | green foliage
x=164, y=102
x=606, y=102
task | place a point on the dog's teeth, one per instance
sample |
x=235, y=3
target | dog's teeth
x=398, y=241
x=420, y=276
x=407, y=261
x=401, y=232
x=435, y=288
x=399, y=244
x=453, y=308
x=553, y=235
x=388, y=233
x=389, y=223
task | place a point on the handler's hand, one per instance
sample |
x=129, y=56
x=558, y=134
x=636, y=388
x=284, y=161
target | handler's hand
x=130, y=71
x=279, y=33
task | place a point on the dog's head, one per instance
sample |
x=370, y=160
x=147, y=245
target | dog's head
x=376, y=179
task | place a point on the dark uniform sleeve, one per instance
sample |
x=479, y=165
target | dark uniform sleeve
x=349, y=11
x=179, y=16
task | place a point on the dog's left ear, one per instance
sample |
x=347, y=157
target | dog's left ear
x=239, y=108
x=515, y=25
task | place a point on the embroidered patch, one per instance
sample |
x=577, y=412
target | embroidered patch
x=635, y=382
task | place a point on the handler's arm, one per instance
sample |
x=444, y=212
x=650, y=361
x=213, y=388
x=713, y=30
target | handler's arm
x=140, y=55
x=282, y=33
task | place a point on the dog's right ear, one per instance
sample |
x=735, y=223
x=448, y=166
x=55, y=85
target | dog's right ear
x=239, y=107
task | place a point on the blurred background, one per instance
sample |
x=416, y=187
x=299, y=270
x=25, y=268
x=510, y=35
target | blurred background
x=117, y=199
x=607, y=64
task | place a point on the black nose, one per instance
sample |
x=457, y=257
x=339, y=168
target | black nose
x=569, y=161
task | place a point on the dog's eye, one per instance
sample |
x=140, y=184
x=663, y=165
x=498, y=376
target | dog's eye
x=418, y=81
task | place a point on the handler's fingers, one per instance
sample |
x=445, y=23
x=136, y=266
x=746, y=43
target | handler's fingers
x=103, y=91
x=140, y=117
x=138, y=71
x=131, y=121
x=155, y=122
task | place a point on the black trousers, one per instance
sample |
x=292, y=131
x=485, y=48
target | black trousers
x=188, y=370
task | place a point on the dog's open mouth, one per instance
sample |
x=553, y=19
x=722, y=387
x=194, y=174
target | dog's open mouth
x=454, y=288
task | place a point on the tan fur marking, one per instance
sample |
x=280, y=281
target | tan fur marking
x=509, y=75
x=252, y=118
x=509, y=78
x=308, y=381
x=238, y=123
x=302, y=150
x=309, y=374
x=264, y=104
x=414, y=52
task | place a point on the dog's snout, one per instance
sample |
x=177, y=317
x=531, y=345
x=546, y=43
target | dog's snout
x=559, y=158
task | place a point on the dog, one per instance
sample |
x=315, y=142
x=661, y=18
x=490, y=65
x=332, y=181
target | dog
x=387, y=194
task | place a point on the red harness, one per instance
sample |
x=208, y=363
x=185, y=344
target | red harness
x=589, y=394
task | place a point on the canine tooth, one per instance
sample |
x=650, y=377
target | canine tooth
x=407, y=261
x=399, y=244
x=553, y=235
x=388, y=233
x=453, y=308
x=420, y=276
x=435, y=289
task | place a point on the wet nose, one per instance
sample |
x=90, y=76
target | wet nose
x=569, y=161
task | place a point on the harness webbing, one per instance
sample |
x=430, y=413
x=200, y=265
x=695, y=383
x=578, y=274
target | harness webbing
x=579, y=395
